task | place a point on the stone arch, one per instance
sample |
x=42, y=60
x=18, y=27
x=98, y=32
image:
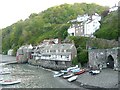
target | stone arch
x=110, y=61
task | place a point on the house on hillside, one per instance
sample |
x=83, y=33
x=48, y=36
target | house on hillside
x=114, y=8
x=84, y=25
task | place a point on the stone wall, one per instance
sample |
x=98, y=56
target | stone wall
x=50, y=64
x=98, y=58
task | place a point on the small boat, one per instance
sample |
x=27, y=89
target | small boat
x=68, y=75
x=64, y=71
x=73, y=78
x=4, y=72
x=70, y=68
x=75, y=70
x=2, y=64
x=80, y=72
x=58, y=74
x=55, y=72
x=9, y=82
x=94, y=72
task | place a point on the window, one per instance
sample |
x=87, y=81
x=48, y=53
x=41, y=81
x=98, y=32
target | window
x=72, y=34
x=56, y=62
x=62, y=50
x=68, y=50
x=52, y=50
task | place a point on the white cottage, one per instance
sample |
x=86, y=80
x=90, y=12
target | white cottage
x=59, y=52
x=55, y=54
x=84, y=25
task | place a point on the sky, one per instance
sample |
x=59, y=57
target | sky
x=12, y=11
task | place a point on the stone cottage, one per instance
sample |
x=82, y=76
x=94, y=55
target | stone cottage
x=24, y=53
x=55, y=55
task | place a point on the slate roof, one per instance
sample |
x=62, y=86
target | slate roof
x=58, y=47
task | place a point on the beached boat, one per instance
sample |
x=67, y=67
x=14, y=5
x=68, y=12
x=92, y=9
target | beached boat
x=94, y=72
x=58, y=74
x=64, y=71
x=71, y=68
x=80, y=72
x=2, y=64
x=4, y=72
x=75, y=70
x=68, y=75
x=9, y=82
x=73, y=78
x=55, y=72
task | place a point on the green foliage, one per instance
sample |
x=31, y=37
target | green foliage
x=51, y=23
x=80, y=42
x=83, y=56
x=75, y=61
x=109, y=27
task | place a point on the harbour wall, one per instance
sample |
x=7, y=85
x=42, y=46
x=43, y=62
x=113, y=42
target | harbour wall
x=50, y=64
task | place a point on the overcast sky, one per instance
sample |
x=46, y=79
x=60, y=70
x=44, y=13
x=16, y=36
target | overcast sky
x=12, y=11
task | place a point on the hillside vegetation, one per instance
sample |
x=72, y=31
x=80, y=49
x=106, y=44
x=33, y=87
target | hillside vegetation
x=51, y=23
x=109, y=27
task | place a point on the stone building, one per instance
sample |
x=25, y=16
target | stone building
x=24, y=53
x=104, y=58
x=54, y=56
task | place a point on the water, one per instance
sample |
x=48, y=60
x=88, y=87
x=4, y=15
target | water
x=32, y=76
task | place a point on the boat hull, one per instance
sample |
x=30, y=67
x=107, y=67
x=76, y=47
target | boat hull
x=9, y=82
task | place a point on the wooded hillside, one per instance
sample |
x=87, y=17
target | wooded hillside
x=51, y=23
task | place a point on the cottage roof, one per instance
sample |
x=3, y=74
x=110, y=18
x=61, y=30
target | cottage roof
x=58, y=47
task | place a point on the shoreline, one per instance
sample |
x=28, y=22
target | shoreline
x=80, y=84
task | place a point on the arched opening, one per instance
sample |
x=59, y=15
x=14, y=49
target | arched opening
x=110, y=62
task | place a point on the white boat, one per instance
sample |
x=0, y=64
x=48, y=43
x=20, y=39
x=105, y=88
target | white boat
x=2, y=64
x=73, y=78
x=94, y=72
x=75, y=70
x=58, y=74
x=55, y=72
x=9, y=82
x=68, y=75
x=4, y=72
x=64, y=71
x=70, y=68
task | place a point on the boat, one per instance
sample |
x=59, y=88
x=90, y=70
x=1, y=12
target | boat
x=4, y=72
x=64, y=71
x=68, y=75
x=58, y=74
x=9, y=82
x=73, y=78
x=2, y=64
x=75, y=70
x=80, y=72
x=70, y=68
x=55, y=72
x=94, y=72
